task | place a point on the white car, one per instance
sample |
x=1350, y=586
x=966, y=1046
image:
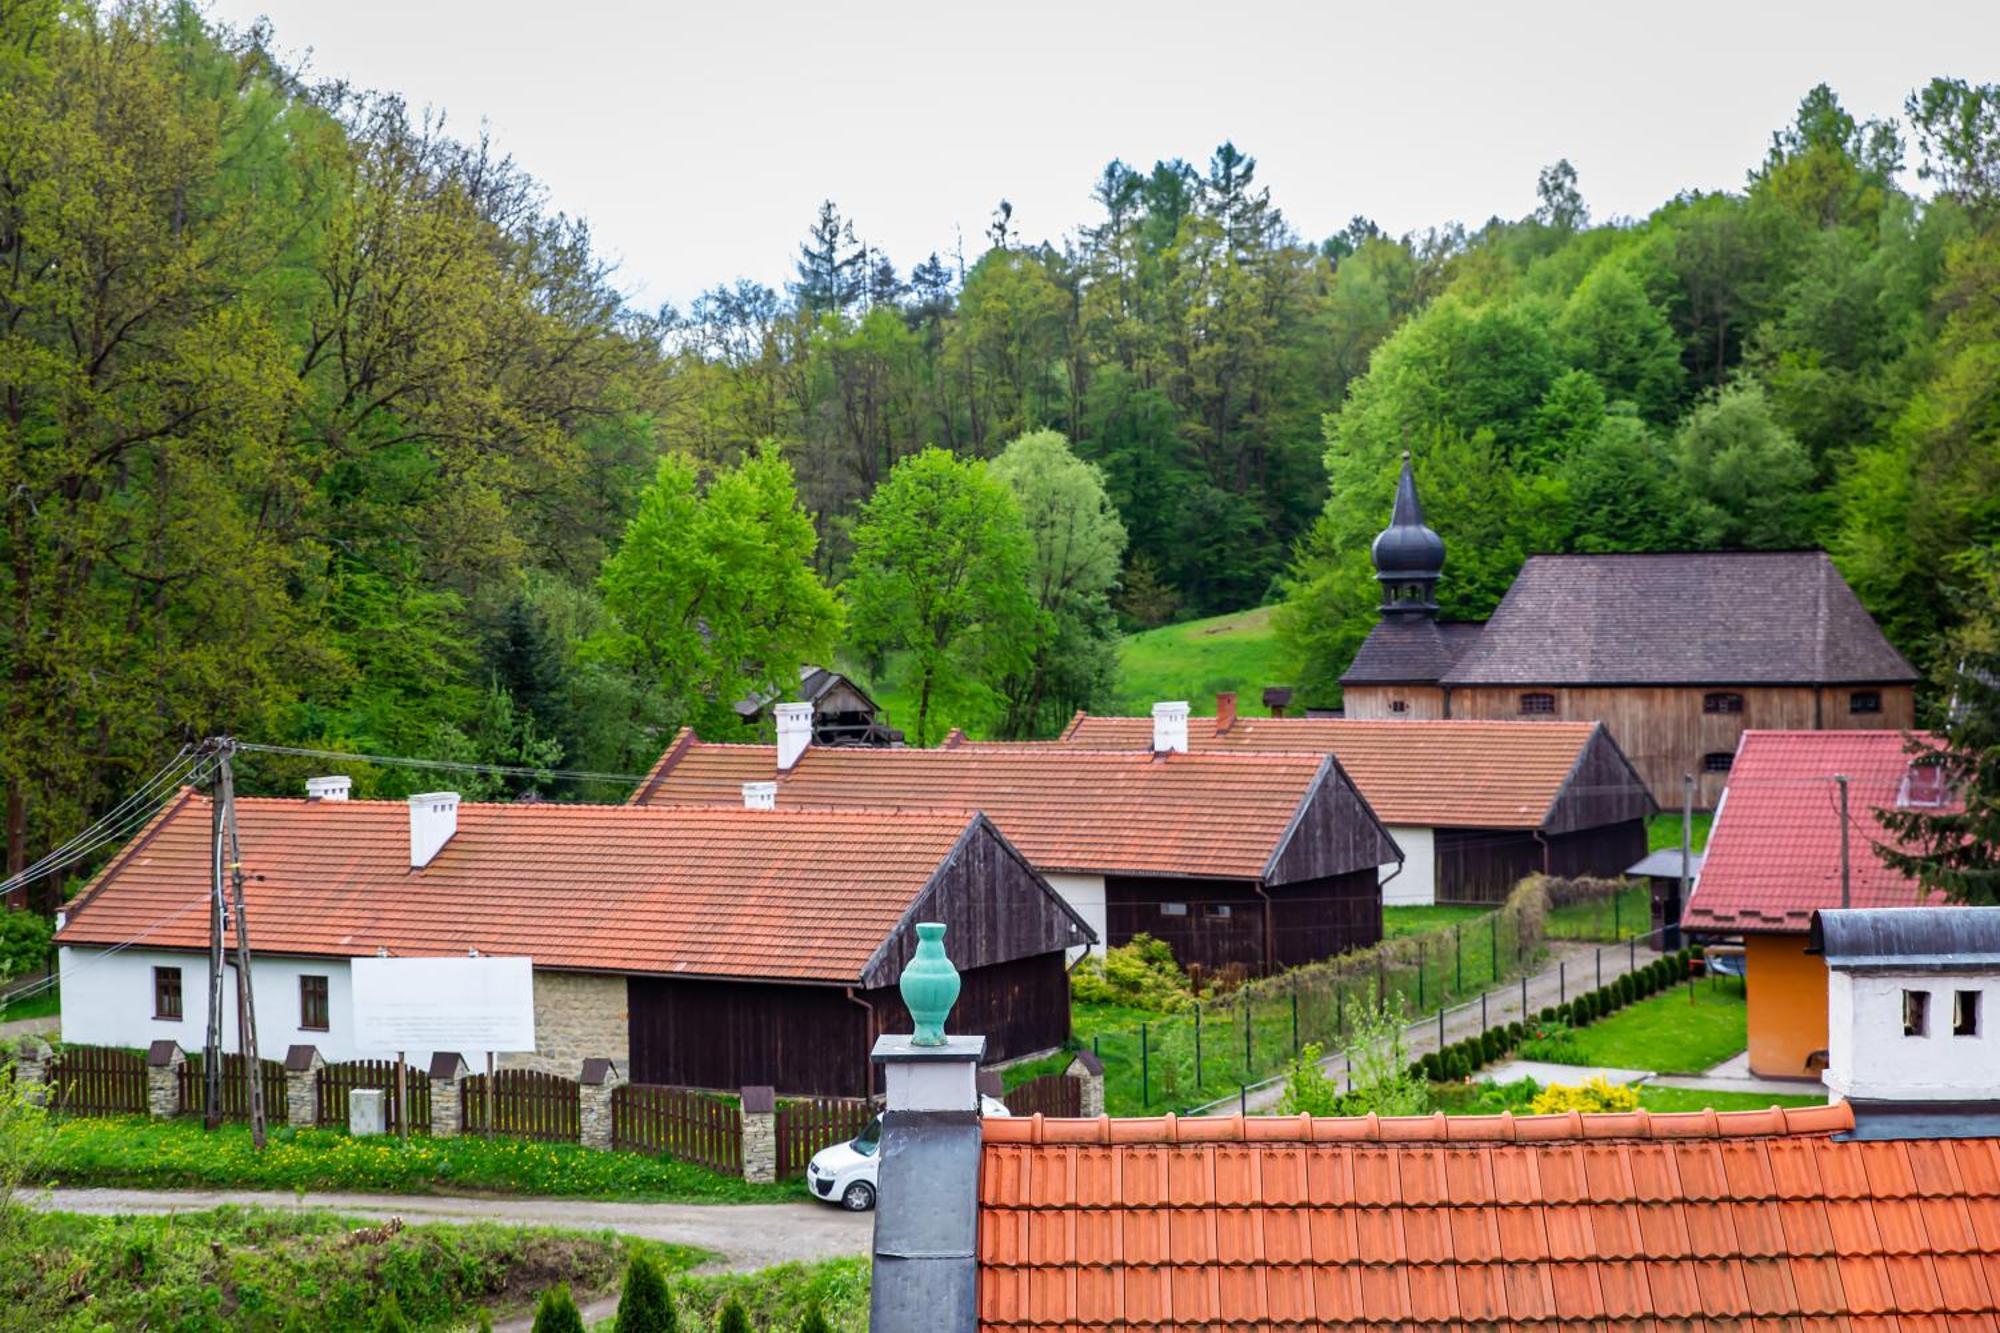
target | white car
x=844, y=1173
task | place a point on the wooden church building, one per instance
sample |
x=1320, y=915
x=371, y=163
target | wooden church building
x=1677, y=653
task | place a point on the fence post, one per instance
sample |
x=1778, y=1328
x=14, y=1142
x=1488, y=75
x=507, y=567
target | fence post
x=1600, y=967
x=1524, y=999
x=1493, y=947
x=1197, y=1045
x=302, y=1065
x=1381, y=983
x=447, y=1073
x=1246, y=1033
x=1617, y=927
x=1632, y=954
x=1562, y=983
x=600, y=1078
x=164, y=1059
x=1295, y=1016
x=760, y=1135
x=1087, y=1069
x=1441, y=1009
x=1482, y=1013
x=1420, y=976
x=1145, y=1071
x=1458, y=956
x=31, y=1070
x=1340, y=1014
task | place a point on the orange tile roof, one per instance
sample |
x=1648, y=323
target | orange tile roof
x=1752, y=1219
x=1774, y=854
x=1066, y=808
x=702, y=892
x=1450, y=774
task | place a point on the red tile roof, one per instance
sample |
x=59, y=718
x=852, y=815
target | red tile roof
x=1066, y=808
x=801, y=895
x=1774, y=853
x=1453, y=774
x=1751, y=1220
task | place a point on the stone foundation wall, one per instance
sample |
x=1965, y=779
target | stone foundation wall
x=578, y=1016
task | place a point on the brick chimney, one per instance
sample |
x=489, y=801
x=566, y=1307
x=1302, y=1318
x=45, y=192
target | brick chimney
x=1225, y=711
x=433, y=820
x=795, y=731
x=1170, y=727
x=328, y=788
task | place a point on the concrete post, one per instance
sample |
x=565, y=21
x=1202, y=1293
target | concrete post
x=447, y=1079
x=600, y=1079
x=163, y=1079
x=760, y=1135
x=302, y=1066
x=1089, y=1070
x=31, y=1069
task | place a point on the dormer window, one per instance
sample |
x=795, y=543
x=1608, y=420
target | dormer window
x=1865, y=701
x=1721, y=701
x=1536, y=703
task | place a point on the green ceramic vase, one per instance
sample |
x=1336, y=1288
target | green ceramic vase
x=929, y=985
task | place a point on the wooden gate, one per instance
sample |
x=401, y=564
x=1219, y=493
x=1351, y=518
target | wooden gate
x=334, y=1082
x=527, y=1104
x=1051, y=1095
x=679, y=1122
x=235, y=1088
x=805, y=1125
x=97, y=1080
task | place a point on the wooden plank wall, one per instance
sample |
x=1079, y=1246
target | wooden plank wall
x=1374, y=701
x=1337, y=835
x=1312, y=919
x=1021, y=1007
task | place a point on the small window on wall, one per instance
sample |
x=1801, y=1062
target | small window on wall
x=166, y=992
x=1722, y=703
x=1916, y=1013
x=1399, y=705
x=1218, y=909
x=1965, y=1014
x=1865, y=701
x=1538, y=703
x=1173, y=909
x=1718, y=762
x=312, y=1004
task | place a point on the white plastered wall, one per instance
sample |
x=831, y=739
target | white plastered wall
x=1085, y=895
x=1869, y=1057
x=107, y=1000
x=1417, y=885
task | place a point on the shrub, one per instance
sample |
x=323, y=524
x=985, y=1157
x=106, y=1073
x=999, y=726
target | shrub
x=644, y=1306
x=1565, y=1014
x=389, y=1317
x=1548, y=1015
x=558, y=1313
x=1554, y=1042
x=1141, y=974
x=24, y=942
x=1597, y=1094
x=1308, y=1090
x=735, y=1319
x=814, y=1322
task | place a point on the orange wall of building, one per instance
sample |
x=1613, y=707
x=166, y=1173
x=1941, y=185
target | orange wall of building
x=1787, y=1004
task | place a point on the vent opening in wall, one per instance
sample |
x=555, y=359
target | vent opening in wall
x=1717, y=762
x=1538, y=703
x=1399, y=705
x=1173, y=909
x=1965, y=1014
x=1916, y=1013
x=1721, y=702
x=1865, y=701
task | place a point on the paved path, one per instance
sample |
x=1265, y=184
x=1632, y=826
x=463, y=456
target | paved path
x=31, y=1027
x=1733, y=1075
x=1573, y=969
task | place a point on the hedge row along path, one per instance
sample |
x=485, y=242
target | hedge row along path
x=1571, y=971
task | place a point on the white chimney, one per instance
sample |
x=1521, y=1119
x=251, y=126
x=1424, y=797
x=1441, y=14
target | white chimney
x=328, y=788
x=433, y=819
x=760, y=796
x=1170, y=727
x=795, y=732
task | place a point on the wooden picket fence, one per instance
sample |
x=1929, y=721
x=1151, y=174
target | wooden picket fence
x=235, y=1088
x=527, y=1104
x=679, y=1122
x=97, y=1080
x=807, y=1124
x=1051, y=1094
x=333, y=1082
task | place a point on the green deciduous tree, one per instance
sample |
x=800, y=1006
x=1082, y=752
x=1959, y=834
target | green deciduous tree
x=940, y=573
x=1748, y=480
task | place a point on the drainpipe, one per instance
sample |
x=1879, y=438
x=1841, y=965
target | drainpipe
x=1270, y=924
x=1383, y=885
x=1545, y=852
x=867, y=1039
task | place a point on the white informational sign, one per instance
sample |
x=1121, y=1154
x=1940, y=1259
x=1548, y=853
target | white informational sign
x=444, y=1004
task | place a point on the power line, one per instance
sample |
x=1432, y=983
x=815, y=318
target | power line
x=398, y=761
x=113, y=827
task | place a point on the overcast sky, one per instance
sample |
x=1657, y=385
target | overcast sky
x=698, y=139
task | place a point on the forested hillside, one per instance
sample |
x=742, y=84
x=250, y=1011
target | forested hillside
x=324, y=426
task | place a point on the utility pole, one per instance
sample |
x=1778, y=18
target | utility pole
x=1846, y=886
x=211, y=1048
x=253, y=1068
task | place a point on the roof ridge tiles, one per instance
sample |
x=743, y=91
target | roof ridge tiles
x=1567, y=1127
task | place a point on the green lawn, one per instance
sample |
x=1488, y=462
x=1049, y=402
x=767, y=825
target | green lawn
x=1617, y=916
x=1664, y=831
x=1195, y=659
x=42, y=1004
x=1693, y=1099
x=1666, y=1033
x=1416, y=920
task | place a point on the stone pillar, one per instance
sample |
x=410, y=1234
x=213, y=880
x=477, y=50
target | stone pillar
x=760, y=1135
x=600, y=1079
x=302, y=1065
x=448, y=1071
x=31, y=1069
x=1088, y=1069
x=164, y=1060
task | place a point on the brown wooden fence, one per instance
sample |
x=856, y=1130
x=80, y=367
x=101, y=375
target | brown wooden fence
x=679, y=1122
x=1051, y=1094
x=97, y=1080
x=805, y=1125
x=527, y=1104
x=334, y=1082
x=235, y=1088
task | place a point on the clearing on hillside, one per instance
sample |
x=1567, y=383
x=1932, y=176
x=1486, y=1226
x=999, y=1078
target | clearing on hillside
x=1196, y=658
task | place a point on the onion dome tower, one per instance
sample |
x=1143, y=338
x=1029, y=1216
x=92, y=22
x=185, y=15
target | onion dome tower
x=1409, y=557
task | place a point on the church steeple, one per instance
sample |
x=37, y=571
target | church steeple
x=1408, y=556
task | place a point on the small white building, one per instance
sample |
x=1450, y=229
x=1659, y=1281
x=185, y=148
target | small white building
x=1913, y=994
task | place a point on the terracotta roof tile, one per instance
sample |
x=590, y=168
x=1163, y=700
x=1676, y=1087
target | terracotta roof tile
x=1462, y=773
x=1773, y=857
x=700, y=892
x=1066, y=808
x=1746, y=1222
